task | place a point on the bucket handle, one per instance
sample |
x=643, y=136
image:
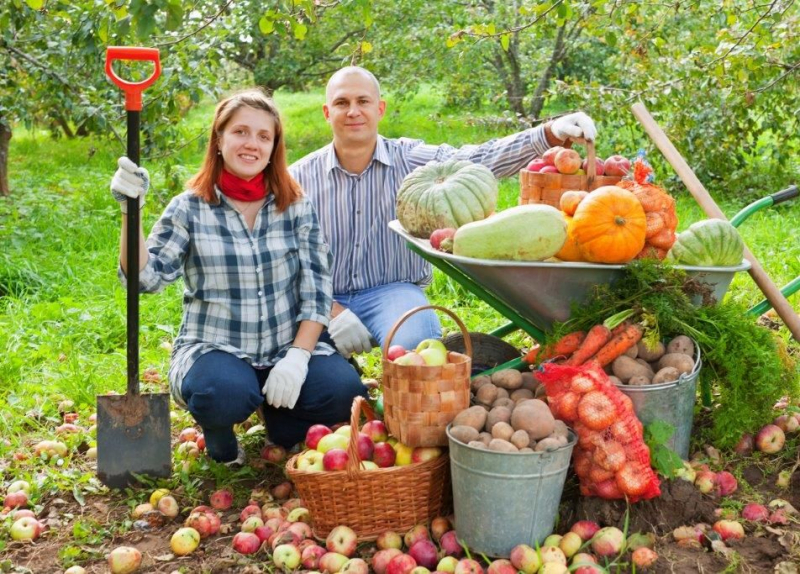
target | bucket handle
x=409, y=313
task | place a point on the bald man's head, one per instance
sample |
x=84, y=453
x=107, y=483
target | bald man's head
x=342, y=76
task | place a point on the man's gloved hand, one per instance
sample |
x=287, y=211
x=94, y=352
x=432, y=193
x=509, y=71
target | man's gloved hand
x=129, y=180
x=574, y=126
x=286, y=378
x=349, y=334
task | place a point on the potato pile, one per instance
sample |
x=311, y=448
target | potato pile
x=508, y=417
x=643, y=366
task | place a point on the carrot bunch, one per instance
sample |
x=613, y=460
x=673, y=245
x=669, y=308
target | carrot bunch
x=601, y=344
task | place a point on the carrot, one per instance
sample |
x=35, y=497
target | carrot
x=618, y=344
x=565, y=346
x=595, y=339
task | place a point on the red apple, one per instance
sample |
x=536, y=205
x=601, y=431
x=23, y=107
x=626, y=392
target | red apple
x=729, y=530
x=342, y=540
x=381, y=559
x=384, y=455
x=726, y=483
x=608, y=541
x=536, y=164
x=250, y=510
x=335, y=459
x=585, y=529
x=315, y=433
x=770, y=439
x=643, y=558
x=425, y=453
x=221, y=499
x=549, y=157
x=18, y=499
x=755, y=512
x=395, y=351
x=332, y=562
x=501, y=566
x=355, y=566
x=549, y=169
x=246, y=543
x=787, y=423
x=365, y=447
x=273, y=453
x=567, y=161
x=402, y=564
x=201, y=522
x=264, y=533
x=424, y=554
x=301, y=529
x=410, y=358
x=188, y=434
x=468, y=566
x=617, y=165
x=201, y=442
x=417, y=533
x=439, y=526
x=310, y=556
x=71, y=418
x=450, y=544
x=706, y=481
x=68, y=428
x=599, y=166
x=376, y=429
x=440, y=235
x=283, y=490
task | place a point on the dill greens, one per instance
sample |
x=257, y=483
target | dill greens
x=745, y=366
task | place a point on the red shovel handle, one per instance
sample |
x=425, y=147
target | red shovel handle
x=133, y=90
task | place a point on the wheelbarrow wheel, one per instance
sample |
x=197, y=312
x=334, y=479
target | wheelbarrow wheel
x=487, y=351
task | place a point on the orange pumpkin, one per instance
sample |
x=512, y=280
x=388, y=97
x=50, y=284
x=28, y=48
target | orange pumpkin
x=569, y=201
x=609, y=226
x=569, y=251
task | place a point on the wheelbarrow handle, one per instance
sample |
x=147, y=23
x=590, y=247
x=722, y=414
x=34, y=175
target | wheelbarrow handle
x=133, y=90
x=785, y=194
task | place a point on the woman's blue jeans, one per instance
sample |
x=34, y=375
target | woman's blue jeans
x=221, y=390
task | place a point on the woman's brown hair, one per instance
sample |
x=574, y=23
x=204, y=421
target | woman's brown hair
x=276, y=175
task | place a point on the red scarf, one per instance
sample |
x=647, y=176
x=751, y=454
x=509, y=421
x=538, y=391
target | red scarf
x=241, y=189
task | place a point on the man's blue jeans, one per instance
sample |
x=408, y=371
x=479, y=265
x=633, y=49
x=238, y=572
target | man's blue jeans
x=380, y=307
x=222, y=390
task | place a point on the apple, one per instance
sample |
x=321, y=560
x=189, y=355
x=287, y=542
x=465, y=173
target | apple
x=686, y=472
x=345, y=430
x=365, y=446
x=273, y=453
x=553, y=554
x=770, y=439
x=368, y=465
x=639, y=539
x=221, y=499
x=402, y=564
x=50, y=449
x=75, y=570
x=168, y=506
x=332, y=562
x=310, y=460
x=549, y=157
x=246, y=543
x=433, y=352
x=286, y=556
x=567, y=161
x=381, y=559
x=18, y=499
x=389, y=539
x=201, y=442
x=468, y=566
x=282, y=490
x=251, y=523
x=726, y=483
x=335, y=459
x=124, y=560
x=420, y=570
x=424, y=553
x=439, y=526
x=425, y=453
x=315, y=433
x=310, y=556
x=19, y=485
x=395, y=351
x=404, y=453
x=417, y=533
x=617, y=165
x=184, y=541
x=22, y=513
x=440, y=235
x=264, y=533
x=450, y=544
x=787, y=423
x=188, y=434
x=201, y=523
x=376, y=430
x=283, y=537
x=157, y=495
x=248, y=511
x=501, y=566
x=536, y=164
x=549, y=169
x=299, y=514
x=447, y=564
x=355, y=566
x=140, y=510
x=608, y=541
x=384, y=455
x=706, y=481
x=25, y=529
x=583, y=558
x=599, y=166
x=729, y=530
x=552, y=540
x=644, y=558
x=585, y=529
x=570, y=543
x=301, y=529
x=68, y=428
x=411, y=358
x=342, y=540
x=331, y=441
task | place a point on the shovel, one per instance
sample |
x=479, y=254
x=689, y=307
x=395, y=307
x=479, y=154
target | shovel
x=133, y=430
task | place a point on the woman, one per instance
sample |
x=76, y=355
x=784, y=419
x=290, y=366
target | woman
x=257, y=280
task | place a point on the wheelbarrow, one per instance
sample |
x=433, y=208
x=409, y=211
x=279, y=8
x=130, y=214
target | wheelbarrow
x=534, y=295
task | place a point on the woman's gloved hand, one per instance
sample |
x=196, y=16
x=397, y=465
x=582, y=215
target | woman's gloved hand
x=349, y=334
x=286, y=378
x=130, y=180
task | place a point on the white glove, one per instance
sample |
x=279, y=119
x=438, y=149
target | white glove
x=349, y=334
x=282, y=388
x=574, y=126
x=129, y=180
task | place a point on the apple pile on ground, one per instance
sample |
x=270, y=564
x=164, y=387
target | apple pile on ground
x=569, y=162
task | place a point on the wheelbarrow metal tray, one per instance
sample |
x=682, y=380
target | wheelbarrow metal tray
x=543, y=292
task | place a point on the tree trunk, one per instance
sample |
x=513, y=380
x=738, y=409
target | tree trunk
x=507, y=65
x=559, y=51
x=5, y=138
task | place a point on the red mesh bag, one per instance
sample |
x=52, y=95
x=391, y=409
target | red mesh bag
x=611, y=459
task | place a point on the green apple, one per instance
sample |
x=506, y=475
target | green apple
x=433, y=352
x=333, y=440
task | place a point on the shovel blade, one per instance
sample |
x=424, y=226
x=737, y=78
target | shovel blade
x=133, y=437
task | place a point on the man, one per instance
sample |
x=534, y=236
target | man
x=353, y=183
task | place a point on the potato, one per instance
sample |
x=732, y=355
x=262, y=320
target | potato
x=497, y=415
x=501, y=445
x=645, y=364
x=502, y=393
x=526, y=449
x=502, y=431
x=485, y=437
x=614, y=380
x=666, y=375
x=682, y=362
x=624, y=368
x=487, y=394
x=509, y=379
x=632, y=352
x=681, y=344
x=503, y=403
x=464, y=433
x=562, y=440
x=477, y=444
x=560, y=429
x=529, y=381
x=521, y=395
x=478, y=382
x=639, y=380
x=474, y=417
x=533, y=416
x=547, y=444
x=540, y=392
x=649, y=354
x=520, y=439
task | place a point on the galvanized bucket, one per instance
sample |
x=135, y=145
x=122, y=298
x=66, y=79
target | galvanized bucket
x=671, y=402
x=504, y=499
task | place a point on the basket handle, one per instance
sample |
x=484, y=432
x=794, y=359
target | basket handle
x=353, y=460
x=591, y=164
x=409, y=313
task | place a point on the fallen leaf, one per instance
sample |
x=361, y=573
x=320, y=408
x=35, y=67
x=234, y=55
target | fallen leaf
x=786, y=568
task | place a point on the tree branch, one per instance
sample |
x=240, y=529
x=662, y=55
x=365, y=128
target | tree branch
x=743, y=36
x=194, y=32
x=779, y=78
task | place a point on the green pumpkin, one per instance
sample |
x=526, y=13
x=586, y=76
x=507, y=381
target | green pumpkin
x=708, y=243
x=448, y=194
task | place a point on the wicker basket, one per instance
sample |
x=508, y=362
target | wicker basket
x=419, y=401
x=373, y=501
x=547, y=188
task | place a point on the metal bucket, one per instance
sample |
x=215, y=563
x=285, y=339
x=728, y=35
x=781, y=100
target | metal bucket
x=671, y=402
x=504, y=499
